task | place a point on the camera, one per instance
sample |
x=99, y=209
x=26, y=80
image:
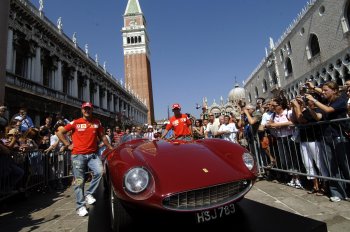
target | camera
x=305, y=100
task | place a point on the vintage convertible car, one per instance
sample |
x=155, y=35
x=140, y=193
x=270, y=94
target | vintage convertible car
x=201, y=178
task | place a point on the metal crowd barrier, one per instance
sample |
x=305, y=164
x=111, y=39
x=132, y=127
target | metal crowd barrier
x=24, y=171
x=316, y=154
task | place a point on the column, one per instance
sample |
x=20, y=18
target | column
x=4, y=16
x=104, y=100
x=32, y=75
x=59, y=78
x=9, y=61
x=117, y=99
x=87, y=90
x=53, y=79
x=37, y=76
x=97, y=96
x=74, y=89
x=111, y=103
x=28, y=72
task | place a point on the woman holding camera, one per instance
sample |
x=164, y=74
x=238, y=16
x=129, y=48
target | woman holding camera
x=336, y=146
x=306, y=112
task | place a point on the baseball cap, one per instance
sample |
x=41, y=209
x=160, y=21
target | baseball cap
x=150, y=127
x=13, y=131
x=176, y=106
x=86, y=104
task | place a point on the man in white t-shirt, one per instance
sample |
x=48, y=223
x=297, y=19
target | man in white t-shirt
x=227, y=130
x=212, y=127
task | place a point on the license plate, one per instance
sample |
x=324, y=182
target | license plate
x=213, y=214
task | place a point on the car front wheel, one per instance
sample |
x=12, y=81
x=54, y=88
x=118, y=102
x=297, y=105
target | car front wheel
x=120, y=218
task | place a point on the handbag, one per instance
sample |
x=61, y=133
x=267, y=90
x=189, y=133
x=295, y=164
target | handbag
x=264, y=142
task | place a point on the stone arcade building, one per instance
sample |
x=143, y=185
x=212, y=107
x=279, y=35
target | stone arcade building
x=49, y=73
x=314, y=47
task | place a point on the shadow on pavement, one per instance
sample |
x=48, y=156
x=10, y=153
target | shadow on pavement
x=250, y=216
x=15, y=212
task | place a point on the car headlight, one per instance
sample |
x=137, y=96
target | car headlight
x=248, y=160
x=136, y=180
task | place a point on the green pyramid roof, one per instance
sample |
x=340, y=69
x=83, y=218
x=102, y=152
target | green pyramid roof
x=133, y=7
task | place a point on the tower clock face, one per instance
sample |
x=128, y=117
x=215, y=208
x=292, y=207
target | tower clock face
x=132, y=23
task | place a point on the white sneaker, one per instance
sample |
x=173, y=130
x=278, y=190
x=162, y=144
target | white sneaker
x=90, y=199
x=82, y=211
x=291, y=183
x=335, y=199
x=298, y=184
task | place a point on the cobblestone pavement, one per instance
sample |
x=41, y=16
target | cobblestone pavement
x=335, y=214
x=55, y=211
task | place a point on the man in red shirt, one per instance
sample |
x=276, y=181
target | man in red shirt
x=85, y=131
x=117, y=135
x=180, y=123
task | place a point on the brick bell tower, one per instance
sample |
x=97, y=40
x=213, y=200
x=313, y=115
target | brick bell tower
x=137, y=66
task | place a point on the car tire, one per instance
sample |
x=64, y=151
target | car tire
x=120, y=218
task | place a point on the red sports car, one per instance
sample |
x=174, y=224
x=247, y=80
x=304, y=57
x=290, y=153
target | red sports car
x=203, y=178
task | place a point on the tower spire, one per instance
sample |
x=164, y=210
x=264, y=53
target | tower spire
x=137, y=67
x=133, y=7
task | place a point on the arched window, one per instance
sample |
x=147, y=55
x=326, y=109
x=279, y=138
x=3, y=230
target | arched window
x=281, y=55
x=256, y=92
x=274, y=78
x=132, y=40
x=264, y=85
x=139, y=39
x=128, y=40
x=347, y=12
x=314, y=45
x=289, y=47
x=317, y=75
x=346, y=73
x=337, y=78
x=288, y=67
x=250, y=97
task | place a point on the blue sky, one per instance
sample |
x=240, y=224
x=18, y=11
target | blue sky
x=197, y=46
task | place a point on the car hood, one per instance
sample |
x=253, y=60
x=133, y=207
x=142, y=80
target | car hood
x=178, y=167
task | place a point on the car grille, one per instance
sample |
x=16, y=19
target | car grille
x=200, y=199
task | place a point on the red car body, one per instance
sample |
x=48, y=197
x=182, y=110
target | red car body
x=184, y=175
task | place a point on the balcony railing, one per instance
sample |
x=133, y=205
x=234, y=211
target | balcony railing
x=20, y=83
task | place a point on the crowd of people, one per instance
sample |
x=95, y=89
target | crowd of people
x=307, y=134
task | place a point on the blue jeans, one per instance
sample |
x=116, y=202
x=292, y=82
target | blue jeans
x=80, y=164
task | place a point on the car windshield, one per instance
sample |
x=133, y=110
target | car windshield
x=129, y=137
